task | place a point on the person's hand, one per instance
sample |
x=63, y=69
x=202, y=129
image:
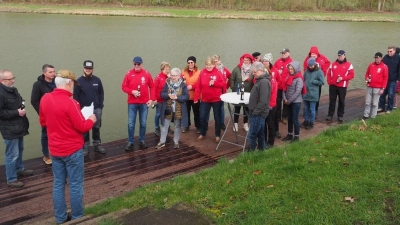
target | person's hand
x=211, y=83
x=93, y=118
x=149, y=103
x=21, y=112
x=381, y=91
x=280, y=71
x=195, y=102
x=136, y=93
x=173, y=97
x=286, y=102
x=155, y=102
x=189, y=87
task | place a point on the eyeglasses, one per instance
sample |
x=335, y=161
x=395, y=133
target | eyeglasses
x=137, y=64
x=12, y=78
x=390, y=51
x=175, y=75
x=190, y=62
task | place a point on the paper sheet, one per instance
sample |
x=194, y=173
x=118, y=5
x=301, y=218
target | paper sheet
x=87, y=111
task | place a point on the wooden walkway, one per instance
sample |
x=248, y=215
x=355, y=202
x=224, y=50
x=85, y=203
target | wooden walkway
x=118, y=172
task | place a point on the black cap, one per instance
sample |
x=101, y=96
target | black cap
x=341, y=52
x=285, y=50
x=191, y=58
x=378, y=54
x=88, y=64
x=256, y=54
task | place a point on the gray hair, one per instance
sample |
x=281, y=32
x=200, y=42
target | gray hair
x=176, y=71
x=61, y=82
x=2, y=72
x=258, y=66
x=45, y=66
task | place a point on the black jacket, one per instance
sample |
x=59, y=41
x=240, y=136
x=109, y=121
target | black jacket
x=393, y=64
x=12, y=125
x=89, y=90
x=40, y=87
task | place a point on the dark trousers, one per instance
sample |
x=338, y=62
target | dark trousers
x=293, y=120
x=270, y=123
x=334, y=93
x=196, y=113
x=205, y=108
x=319, y=97
x=281, y=109
x=237, y=112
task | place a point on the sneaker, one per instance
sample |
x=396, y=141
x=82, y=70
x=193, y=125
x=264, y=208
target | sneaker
x=380, y=109
x=235, y=127
x=157, y=132
x=129, y=147
x=284, y=121
x=143, y=144
x=328, y=118
x=296, y=138
x=176, y=145
x=85, y=151
x=394, y=107
x=340, y=119
x=185, y=129
x=217, y=139
x=364, y=117
x=304, y=124
x=47, y=160
x=246, y=127
x=388, y=112
x=15, y=184
x=198, y=131
x=24, y=173
x=223, y=127
x=69, y=218
x=278, y=135
x=288, y=137
x=99, y=149
x=309, y=126
x=268, y=146
x=160, y=145
x=201, y=138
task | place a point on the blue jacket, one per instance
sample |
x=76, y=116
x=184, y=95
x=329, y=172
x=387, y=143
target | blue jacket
x=393, y=64
x=181, y=99
x=89, y=90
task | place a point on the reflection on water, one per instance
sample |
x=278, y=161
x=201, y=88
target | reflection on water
x=30, y=40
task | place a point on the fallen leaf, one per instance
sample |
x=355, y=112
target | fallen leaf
x=165, y=199
x=232, y=198
x=313, y=159
x=270, y=186
x=355, y=144
x=349, y=199
x=228, y=181
x=257, y=172
x=284, y=153
x=345, y=164
x=388, y=190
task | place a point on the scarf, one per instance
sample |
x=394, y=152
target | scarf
x=289, y=81
x=246, y=71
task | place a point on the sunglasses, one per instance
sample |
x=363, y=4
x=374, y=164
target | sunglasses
x=390, y=51
x=190, y=62
x=137, y=64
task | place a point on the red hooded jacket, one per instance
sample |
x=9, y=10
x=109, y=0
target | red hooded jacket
x=281, y=64
x=322, y=60
x=158, y=86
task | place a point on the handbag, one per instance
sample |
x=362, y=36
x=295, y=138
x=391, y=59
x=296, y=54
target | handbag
x=168, y=111
x=397, y=87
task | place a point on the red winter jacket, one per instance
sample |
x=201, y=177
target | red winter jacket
x=158, y=86
x=274, y=91
x=322, y=60
x=281, y=64
x=62, y=116
x=340, y=69
x=203, y=90
x=132, y=80
x=378, y=73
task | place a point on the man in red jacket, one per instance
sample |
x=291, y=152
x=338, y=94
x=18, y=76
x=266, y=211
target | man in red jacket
x=61, y=115
x=338, y=77
x=281, y=65
x=376, y=79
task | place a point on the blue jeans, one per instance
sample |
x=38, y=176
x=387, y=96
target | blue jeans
x=132, y=111
x=256, y=133
x=14, y=149
x=71, y=168
x=157, y=116
x=389, y=91
x=45, y=142
x=309, y=111
x=293, y=119
x=205, y=108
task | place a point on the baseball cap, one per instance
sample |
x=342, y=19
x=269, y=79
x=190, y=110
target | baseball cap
x=88, y=64
x=341, y=52
x=137, y=59
x=378, y=54
x=67, y=74
x=285, y=50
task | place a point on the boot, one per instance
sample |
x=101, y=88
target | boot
x=310, y=126
x=288, y=137
x=304, y=124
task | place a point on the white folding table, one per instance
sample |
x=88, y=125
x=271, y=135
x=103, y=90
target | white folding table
x=234, y=99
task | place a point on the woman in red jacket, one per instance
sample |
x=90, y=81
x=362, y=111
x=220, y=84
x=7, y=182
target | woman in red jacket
x=209, y=89
x=158, y=86
x=226, y=74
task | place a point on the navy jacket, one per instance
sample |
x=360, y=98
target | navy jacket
x=89, y=90
x=393, y=64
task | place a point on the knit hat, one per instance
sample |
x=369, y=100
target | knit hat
x=268, y=57
x=311, y=61
x=192, y=58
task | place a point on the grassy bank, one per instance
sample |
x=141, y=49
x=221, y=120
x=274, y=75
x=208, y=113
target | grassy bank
x=196, y=13
x=346, y=175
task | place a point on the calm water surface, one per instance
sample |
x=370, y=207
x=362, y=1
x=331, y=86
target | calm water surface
x=28, y=41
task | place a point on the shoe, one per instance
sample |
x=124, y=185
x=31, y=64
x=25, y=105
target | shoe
x=143, y=144
x=288, y=137
x=284, y=120
x=129, y=147
x=85, y=151
x=198, y=131
x=69, y=218
x=157, y=132
x=278, y=135
x=160, y=145
x=296, y=138
x=388, y=112
x=99, y=149
x=170, y=131
x=304, y=124
x=15, y=184
x=328, y=118
x=268, y=146
x=217, y=139
x=176, y=145
x=394, y=107
x=309, y=126
x=223, y=127
x=364, y=117
x=185, y=129
x=340, y=119
x=246, y=127
x=235, y=127
x=201, y=138
x=24, y=173
x=47, y=160
x=380, y=109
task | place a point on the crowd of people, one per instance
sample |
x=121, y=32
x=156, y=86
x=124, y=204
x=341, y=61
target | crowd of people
x=185, y=98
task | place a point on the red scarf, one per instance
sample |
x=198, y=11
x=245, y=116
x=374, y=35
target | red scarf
x=289, y=81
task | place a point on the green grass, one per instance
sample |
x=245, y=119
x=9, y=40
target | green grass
x=198, y=13
x=300, y=183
